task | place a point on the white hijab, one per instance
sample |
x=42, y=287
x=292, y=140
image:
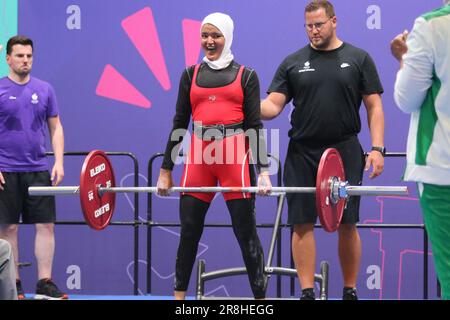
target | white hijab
x=225, y=24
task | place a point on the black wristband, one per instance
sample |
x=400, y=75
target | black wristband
x=381, y=150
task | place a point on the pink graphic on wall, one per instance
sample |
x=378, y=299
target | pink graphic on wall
x=191, y=37
x=384, y=246
x=400, y=268
x=141, y=29
x=114, y=86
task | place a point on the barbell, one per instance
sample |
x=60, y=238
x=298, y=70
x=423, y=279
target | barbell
x=97, y=190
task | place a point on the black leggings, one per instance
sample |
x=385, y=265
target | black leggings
x=192, y=218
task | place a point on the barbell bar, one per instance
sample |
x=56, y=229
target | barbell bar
x=97, y=190
x=344, y=190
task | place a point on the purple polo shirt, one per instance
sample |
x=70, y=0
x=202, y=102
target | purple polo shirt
x=24, y=110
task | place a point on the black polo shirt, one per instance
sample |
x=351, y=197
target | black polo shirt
x=326, y=88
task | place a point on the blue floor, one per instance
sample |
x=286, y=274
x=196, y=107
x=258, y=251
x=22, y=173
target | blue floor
x=114, y=297
x=30, y=296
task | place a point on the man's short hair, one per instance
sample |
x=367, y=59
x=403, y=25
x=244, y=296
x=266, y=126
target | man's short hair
x=317, y=4
x=25, y=41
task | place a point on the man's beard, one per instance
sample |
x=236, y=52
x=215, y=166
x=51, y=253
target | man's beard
x=23, y=74
x=324, y=44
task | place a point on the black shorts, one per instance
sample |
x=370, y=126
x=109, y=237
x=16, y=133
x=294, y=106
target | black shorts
x=14, y=199
x=300, y=170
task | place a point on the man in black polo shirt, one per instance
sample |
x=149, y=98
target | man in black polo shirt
x=327, y=80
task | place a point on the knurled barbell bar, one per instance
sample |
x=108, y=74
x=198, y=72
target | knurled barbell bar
x=97, y=190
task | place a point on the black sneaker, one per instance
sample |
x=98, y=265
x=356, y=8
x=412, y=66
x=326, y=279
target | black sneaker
x=46, y=289
x=20, y=293
x=349, y=294
x=308, y=294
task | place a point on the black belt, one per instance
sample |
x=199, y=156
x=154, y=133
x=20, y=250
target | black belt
x=217, y=131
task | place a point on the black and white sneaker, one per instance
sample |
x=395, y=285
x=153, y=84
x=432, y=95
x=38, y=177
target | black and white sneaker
x=308, y=294
x=349, y=294
x=46, y=289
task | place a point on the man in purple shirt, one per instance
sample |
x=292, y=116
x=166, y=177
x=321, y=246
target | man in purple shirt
x=27, y=106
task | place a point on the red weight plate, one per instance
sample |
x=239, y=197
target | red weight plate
x=96, y=171
x=330, y=166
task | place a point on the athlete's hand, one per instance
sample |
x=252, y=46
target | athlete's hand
x=398, y=45
x=2, y=181
x=164, y=183
x=264, y=184
x=376, y=160
x=57, y=174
